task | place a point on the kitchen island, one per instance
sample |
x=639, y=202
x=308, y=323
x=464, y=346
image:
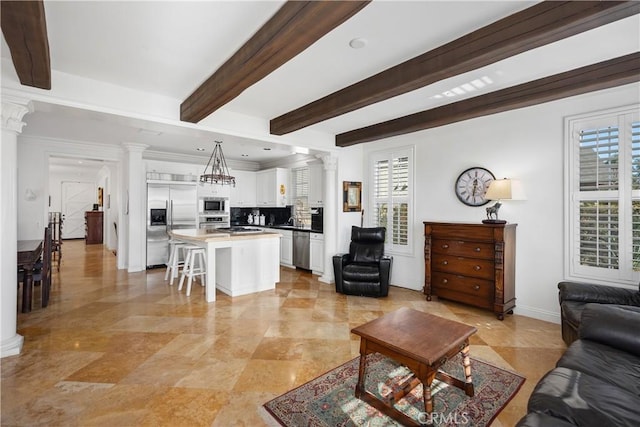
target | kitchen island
x=240, y=261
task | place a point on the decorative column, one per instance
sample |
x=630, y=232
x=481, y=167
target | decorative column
x=134, y=203
x=330, y=215
x=12, y=114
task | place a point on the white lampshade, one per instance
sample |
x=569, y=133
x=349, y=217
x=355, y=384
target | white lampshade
x=505, y=189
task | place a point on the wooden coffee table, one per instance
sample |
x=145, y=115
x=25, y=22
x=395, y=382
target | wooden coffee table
x=421, y=342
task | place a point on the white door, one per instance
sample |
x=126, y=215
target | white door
x=77, y=198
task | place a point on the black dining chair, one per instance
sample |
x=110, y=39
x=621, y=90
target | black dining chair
x=42, y=270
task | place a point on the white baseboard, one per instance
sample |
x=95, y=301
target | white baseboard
x=536, y=313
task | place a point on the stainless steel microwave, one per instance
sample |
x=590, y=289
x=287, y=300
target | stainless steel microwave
x=212, y=205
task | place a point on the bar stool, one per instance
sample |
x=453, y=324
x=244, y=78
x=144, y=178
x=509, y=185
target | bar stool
x=174, y=263
x=194, y=255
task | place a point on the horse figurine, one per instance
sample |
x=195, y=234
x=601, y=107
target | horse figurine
x=493, y=210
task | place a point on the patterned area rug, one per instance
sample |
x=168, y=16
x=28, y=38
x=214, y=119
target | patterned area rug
x=329, y=399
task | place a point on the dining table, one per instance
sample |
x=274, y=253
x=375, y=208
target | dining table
x=29, y=252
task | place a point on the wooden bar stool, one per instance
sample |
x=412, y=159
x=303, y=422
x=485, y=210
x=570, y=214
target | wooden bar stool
x=194, y=255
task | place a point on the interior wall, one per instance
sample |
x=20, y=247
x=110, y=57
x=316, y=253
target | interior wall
x=524, y=144
x=33, y=173
x=350, y=168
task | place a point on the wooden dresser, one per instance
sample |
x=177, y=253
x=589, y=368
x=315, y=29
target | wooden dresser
x=93, y=227
x=472, y=264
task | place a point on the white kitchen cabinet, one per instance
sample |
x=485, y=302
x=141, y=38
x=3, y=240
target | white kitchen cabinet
x=316, y=185
x=213, y=190
x=316, y=253
x=243, y=195
x=272, y=188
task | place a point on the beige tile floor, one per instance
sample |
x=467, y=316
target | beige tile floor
x=119, y=349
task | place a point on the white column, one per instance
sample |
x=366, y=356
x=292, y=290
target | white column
x=135, y=201
x=330, y=215
x=12, y=114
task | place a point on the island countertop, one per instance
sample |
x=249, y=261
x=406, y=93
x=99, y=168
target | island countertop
x=227, y=252
x=216, y=235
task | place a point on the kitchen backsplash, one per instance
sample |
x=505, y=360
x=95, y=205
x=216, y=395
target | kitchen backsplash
x=273, y=216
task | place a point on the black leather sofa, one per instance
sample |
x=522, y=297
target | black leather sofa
x=365, y=270
x=574, y=296
x=597, y=380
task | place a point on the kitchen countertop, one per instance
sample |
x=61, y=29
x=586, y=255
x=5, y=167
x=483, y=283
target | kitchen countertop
x=286, y=227
x=213, y=234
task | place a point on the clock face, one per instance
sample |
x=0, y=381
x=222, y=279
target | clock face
x=472, y=185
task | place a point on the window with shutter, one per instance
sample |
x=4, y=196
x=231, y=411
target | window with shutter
x=300, y=195
x=391, y=196
x=604, y=188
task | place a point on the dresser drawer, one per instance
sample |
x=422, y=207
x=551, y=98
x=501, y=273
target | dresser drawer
x=464, y=248
x=479, y=268
x=479, y=288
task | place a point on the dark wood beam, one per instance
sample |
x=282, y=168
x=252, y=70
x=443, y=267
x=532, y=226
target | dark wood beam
x=604, y=75
x=25, y=29
x=536, y=26
x=295, y=27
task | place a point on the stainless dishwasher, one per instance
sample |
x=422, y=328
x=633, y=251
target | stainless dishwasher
x=301, y=249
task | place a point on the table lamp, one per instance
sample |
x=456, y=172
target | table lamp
x=501, y=189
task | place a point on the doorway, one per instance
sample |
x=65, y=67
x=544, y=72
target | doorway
x=77, y=198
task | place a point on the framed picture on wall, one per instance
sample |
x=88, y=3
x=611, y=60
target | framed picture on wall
x=351, y=196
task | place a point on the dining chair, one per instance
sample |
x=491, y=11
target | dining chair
x=42, y=270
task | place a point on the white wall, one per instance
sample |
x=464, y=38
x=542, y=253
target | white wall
x=33, y=173
x=525, y=144
x=350, y=168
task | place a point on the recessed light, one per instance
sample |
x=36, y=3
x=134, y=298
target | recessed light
x=358, y=43
x=199, y=149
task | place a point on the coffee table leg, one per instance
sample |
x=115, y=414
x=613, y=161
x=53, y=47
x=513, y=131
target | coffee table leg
x=468, y=385
x=361, y=376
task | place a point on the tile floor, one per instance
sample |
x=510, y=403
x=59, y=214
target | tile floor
x=119, y=349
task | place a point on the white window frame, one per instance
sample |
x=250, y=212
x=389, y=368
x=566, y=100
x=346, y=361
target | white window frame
x=624, y=275
x=390, y=154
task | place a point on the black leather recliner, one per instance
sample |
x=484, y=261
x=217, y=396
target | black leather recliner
x=574, y=296
x=365, y=270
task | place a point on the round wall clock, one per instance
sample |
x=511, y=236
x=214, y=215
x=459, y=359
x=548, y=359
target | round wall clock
x=472, y=185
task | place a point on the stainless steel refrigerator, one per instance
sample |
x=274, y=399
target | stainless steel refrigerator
x=169, y=206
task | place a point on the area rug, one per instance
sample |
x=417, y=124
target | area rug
x=329, y=399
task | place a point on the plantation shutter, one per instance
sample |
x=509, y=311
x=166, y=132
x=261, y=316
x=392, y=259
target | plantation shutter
x=300, y=191
x=604, y=164
x=599, y=153
x=391, y=197
x=635, y=191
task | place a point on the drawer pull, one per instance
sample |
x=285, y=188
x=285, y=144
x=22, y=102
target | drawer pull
x=445, y=281
x=477, y=268
x=477, y=249
x=476, y=287
x=445, y=246
x=445, y=262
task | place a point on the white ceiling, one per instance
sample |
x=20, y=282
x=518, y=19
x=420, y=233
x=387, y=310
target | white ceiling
x=170, y=47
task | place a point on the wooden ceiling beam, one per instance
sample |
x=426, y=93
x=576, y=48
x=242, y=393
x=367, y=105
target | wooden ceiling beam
x=603, y=75
x=536, y=26
x=295, y=27
x=25, y=30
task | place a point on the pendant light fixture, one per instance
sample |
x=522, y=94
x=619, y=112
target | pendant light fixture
x=219, y=170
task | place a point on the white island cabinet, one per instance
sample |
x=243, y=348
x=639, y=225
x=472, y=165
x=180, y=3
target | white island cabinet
x=237, y=264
